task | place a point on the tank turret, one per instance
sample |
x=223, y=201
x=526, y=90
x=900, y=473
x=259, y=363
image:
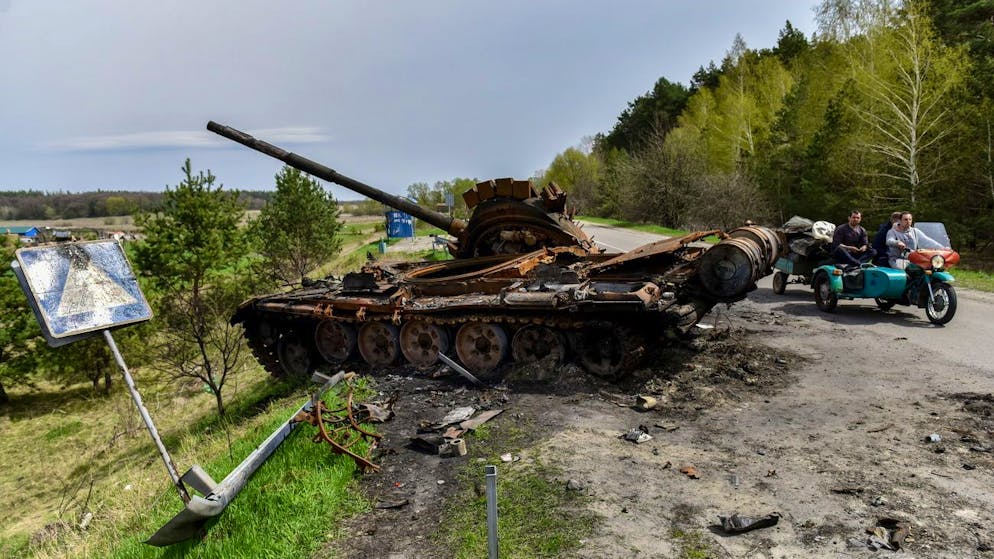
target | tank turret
x=509, y=216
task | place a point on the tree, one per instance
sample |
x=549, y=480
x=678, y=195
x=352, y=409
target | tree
x=88, y=359
x=578, y=172
x=907, y=80
x=194, y=260
x=649, y=114
x=425, y=195
x=19, y=332
x=297, y=230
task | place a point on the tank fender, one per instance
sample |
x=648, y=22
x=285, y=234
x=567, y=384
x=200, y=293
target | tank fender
x=243, y=312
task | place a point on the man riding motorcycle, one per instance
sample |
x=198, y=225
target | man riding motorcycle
x=905, y=237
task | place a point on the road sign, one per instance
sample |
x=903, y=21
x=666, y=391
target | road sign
x=80, y=288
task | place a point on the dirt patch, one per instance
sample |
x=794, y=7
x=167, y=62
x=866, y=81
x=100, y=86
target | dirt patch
x=776, y=412
x=714, y=369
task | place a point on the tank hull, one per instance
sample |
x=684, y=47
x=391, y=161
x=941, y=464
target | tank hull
x=600, y=310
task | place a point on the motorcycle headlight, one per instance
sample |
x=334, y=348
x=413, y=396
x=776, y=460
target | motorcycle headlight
x=938, y=261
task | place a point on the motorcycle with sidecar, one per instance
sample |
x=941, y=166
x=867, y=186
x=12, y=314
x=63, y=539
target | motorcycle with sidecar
x=924, y=283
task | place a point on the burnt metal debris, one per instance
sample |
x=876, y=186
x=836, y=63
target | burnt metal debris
x=526, y=283
x=341, y=429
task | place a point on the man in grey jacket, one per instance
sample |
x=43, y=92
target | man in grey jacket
x=903, y=237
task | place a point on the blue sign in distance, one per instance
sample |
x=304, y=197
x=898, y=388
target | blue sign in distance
x=81, y=287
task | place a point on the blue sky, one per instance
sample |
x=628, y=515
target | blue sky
x=116, y=94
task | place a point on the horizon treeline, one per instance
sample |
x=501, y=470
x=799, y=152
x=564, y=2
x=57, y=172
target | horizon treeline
x=888, y=106
x=33, y=204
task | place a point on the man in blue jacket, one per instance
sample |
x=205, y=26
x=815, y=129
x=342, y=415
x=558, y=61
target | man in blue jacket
x=880, y=239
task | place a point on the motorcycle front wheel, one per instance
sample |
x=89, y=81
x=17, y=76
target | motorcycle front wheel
x=942, y=306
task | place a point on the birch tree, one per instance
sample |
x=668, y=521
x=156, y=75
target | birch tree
x=905, y=92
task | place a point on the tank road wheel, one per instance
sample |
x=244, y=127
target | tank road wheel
x=779, y=282
x=533, y=343
x=825, y=298
x=379, y=343
x=421, y=342
x=481, y=346
x=295, y=356
x=265, y=332
x=606, y=349
x=335, y=341
x=941, y=308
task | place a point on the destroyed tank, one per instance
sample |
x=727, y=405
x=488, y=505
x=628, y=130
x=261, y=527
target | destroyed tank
x=526, y=283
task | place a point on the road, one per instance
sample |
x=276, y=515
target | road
x=842, y=441
x=963, y=341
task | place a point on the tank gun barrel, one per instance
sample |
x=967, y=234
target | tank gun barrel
x=452, y=225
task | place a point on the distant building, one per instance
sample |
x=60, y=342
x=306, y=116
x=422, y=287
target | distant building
x=24, y=234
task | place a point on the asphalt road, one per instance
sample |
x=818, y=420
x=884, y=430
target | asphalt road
x=966, y=340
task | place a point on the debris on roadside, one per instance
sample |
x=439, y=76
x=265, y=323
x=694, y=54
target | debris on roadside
x=637, y=435
x=645, y=403
x=428, y=443
x=737, y=524
x=452, y=448
x=690, y=472
x=667, y=426
x=458, y=415
x=933, y=438
x=376, y=412
x=450, y=443
x=574, y=485
x=887, y=533
x=473, y=423
x=341, y=428
x=847, y=490
x=396, y=504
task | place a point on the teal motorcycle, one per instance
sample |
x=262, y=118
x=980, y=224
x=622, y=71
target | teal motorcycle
x=924, y=283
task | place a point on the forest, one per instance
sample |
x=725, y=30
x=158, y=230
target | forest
x=888, y=106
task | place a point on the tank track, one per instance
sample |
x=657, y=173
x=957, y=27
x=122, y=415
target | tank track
x=572, y=328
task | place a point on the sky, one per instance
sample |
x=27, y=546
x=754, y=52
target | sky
x=116, y=94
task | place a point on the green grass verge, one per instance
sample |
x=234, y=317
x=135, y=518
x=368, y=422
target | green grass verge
x=648, y=228
x=537, y=516
x=974, y=279
x=289, y=509
x=644, y=227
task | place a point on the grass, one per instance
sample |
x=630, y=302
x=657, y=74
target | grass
x=105, y=463
x=974, y=279
x=692, y=545
x=647, y=228
x=644, y=227
x=537, y=516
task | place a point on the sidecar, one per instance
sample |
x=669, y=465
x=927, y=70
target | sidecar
x=831, y=282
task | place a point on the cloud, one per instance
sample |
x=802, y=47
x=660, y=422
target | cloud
x=179, y=139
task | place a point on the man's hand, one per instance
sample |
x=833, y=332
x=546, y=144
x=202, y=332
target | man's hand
x=861, y=249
